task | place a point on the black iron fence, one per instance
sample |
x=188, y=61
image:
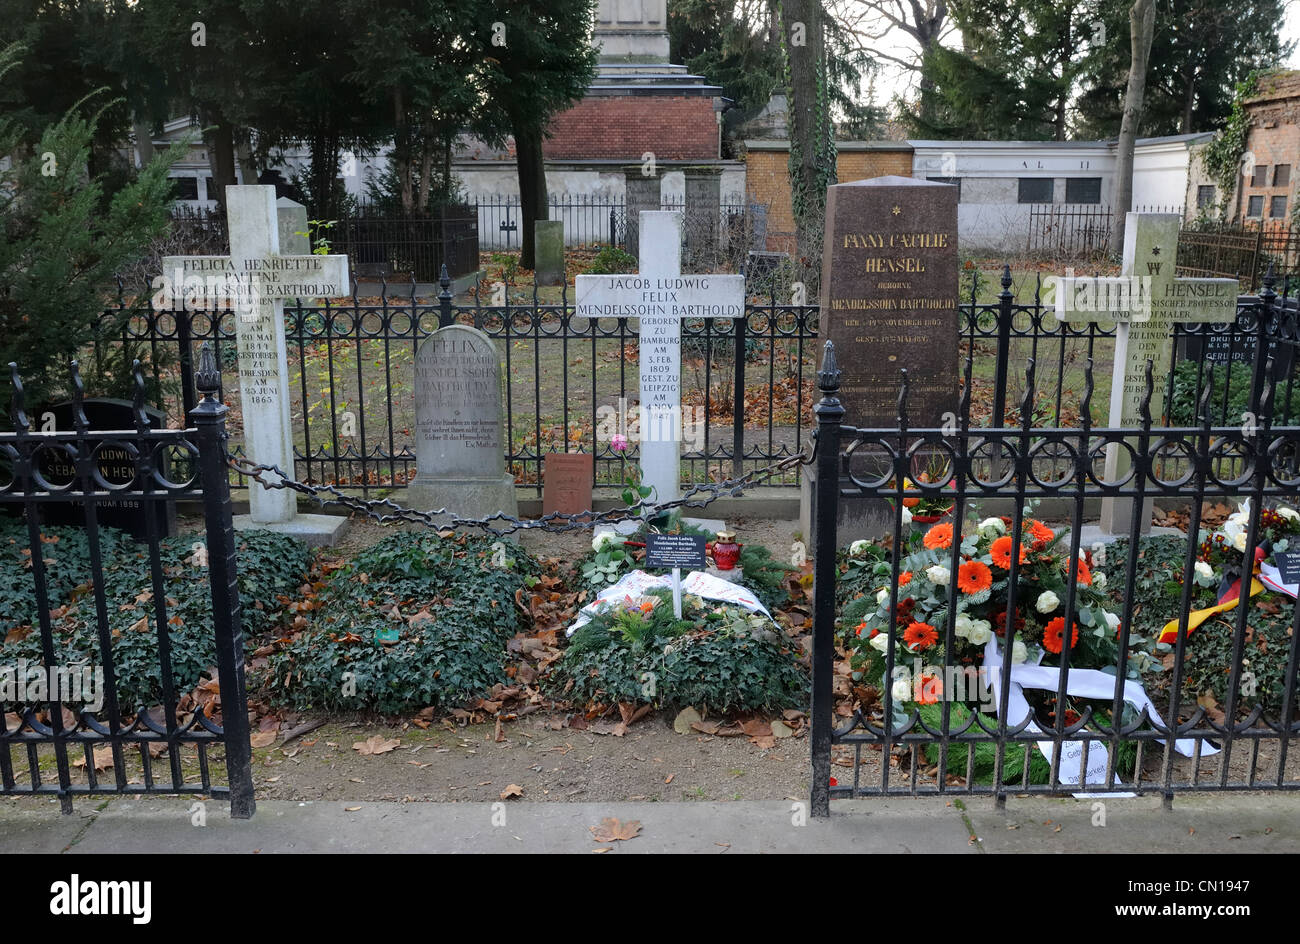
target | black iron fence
x=1076, y=230
x=1246, y=252
x=56, y=739
x=748, y=387
x=947, y=695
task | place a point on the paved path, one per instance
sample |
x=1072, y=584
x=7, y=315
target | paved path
x=1236, y=823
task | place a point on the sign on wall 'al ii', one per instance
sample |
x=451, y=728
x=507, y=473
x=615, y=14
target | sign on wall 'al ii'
x=889, y=297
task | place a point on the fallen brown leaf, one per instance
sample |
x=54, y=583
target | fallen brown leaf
x=376, y=744
x=611, y=829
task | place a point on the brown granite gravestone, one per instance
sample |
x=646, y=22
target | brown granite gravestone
x=889, y=297
x=566, y=482
x=888, y=301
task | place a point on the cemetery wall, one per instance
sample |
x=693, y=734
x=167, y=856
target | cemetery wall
x=1274, y=139
x=767, y=175
x=625, y=127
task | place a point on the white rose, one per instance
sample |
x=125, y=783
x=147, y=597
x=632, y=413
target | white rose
x=992, y=527
x=858, y=547
x=603, y=540
x=981, y=631
x=882, y=597
x=1112, y=620
x=1047, y=602
x=1290, y=514
x=937, y=575
x=907, y=516
x=901, y=689
x=1098, y=580
x=1239, y=541
x=962, y=627
x=1204, y=569
x=1018, y=652
x=879, y=642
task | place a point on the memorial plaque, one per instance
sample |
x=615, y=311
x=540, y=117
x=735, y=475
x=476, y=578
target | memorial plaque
x=566, y=482
x=116, y=465
x=1208, y=344
x=459, y=450
x=889, y=297
x=675, y=550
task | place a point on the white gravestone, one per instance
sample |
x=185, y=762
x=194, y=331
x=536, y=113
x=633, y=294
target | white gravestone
x=255, y=279
x=459, y=447
x=660, y=297
x=1144, y=302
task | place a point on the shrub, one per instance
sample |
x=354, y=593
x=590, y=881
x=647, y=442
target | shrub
x=452, y=603
x=611, y=260
x=271, y=567
x=720, y=658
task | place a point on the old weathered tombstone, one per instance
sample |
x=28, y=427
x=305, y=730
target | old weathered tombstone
x=1144, y=302
x=548, y=249
x=643, y=185
x=115, y=464
x=660, y=298
x=459, y=446
x=888, y=301
x=291, y=218
x=566, y=482
x=255, y=279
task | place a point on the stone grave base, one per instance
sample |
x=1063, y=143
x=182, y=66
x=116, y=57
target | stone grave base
x=1091, y=534
x=859, y=519
x=466, y=498
x=314, y=530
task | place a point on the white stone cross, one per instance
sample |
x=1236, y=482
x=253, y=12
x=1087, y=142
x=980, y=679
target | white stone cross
x=255, y=279
x=1144, y=302
x=659, y=297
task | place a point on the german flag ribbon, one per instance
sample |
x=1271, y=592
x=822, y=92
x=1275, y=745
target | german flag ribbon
x=1227, y=600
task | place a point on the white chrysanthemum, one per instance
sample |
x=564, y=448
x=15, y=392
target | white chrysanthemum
x=604, y=540
x=1204, y=569
x=858, y=547
x=992, y=527
x=938, y=575
x=1047, y=602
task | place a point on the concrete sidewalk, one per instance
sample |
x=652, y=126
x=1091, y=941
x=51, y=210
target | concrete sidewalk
x=1236, y=823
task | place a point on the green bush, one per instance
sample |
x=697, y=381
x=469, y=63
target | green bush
x=611, y=260
x=1185, y=401
x=452, y=604
x=719, y=658
x=271, y=567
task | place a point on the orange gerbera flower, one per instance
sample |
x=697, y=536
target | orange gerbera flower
x=861, y=627
x=1054, y=633
x=974, y=576
x=1000, y=551
x=905, y=578
x=1085, y=574
x=920, y=635
x=930, y=689
x=939, y=537
x=1040, y=532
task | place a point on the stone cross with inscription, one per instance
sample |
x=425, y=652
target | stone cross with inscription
x=254, y=280
x=1144, y=302
x=660, y=297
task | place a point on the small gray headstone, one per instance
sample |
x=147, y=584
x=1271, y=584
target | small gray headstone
x=292, y=219
x=548, y=244
x=459, y=450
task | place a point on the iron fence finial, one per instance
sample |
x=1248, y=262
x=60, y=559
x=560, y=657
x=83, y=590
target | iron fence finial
x=902, y=398
x=1027, y=401
x=207, y=379
x=1203, y=407
x=78, y=388
x=1085, y=405
x=1150, y=388
x=828, y=378
x=17, y=406
x=137, y=396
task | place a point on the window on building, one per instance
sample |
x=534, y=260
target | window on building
x=185, y=188
x=1277, y=208
x=955, y=181
x=1036, y=189
x=1083, y=190
x=1255, y=207
x=1282, y=175
x=1204, y=196
x=1261, y=176
x=210, y=188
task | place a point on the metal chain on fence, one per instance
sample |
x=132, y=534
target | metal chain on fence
x=557, y=522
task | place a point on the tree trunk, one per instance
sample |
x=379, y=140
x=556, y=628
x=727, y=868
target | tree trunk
x=247, y=169
x=402, y=164
x=1189, y=100
x=221, y=150
x=532, y=186
x=812, y=145
x=1142, y=19
x=426, y=174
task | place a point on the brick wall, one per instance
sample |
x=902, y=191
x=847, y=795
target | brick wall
x=623, y=127
x=767, y=178
x=1274, y=140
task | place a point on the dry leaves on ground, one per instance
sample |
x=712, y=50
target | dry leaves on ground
x=376, y=744
x=611, y=829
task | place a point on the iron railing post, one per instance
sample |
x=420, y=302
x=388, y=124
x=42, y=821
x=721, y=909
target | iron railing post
x=444, y=298
x=738, y=401
x=830, y=413
x=1005, y=301
x=209, y=417
x=1263, y=330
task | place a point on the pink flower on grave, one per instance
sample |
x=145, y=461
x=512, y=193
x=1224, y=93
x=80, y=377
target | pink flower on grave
x=618, y=442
